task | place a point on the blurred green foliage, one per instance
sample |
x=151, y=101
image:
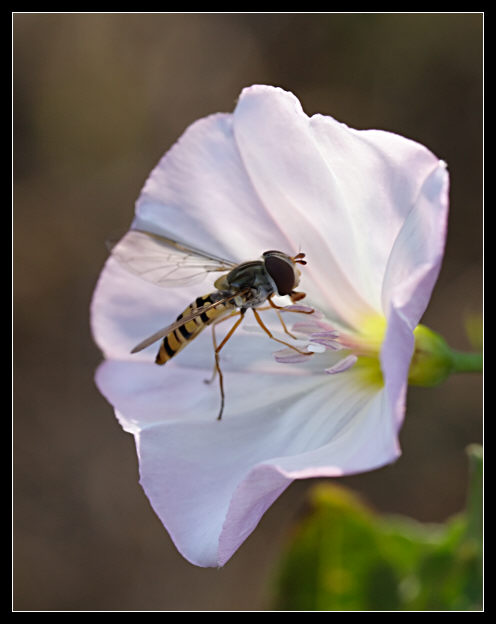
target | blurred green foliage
x=474, y=328
x=344, y=557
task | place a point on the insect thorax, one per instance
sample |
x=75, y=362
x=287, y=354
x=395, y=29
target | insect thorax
x=252, y=275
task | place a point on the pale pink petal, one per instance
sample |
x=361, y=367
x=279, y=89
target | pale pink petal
x=410, y=277
x=369, y=210
x=154, y=394
x=341, y=195
x=396, y=353
x=364, y=438
x=210, y=481
x=378, y=175
x=294, y=183
x=416, y=256
x=200, y=194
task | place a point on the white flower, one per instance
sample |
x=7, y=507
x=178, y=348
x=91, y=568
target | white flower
x=369, y=209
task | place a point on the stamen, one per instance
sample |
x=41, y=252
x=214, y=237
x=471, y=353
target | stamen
x=326, y=335
x=320, y=335
x=328, y=339
x=309, y=327
x=333, y=345
x=342, y=365
x=288, y=356
x=316, y=347
x=298, y=308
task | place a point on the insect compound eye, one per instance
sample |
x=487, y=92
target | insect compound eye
x=281, y=271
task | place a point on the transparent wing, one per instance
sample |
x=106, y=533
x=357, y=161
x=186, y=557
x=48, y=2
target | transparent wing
x=165, y=262
x=182, y=321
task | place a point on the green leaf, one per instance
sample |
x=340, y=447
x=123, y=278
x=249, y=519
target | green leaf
x=475, y=501
x=345, y=557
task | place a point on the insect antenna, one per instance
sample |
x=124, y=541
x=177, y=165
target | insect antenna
x=299, y=258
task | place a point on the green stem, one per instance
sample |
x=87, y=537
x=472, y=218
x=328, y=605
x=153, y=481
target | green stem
x=433, y=360
x=466, y=362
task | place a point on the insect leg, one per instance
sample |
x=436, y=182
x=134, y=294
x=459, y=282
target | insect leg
x=217, y=365
x=214, y=341
x=286, y=330
x=277, y=308
x=269, y=334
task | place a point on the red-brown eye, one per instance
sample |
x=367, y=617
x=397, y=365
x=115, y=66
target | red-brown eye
x=281, y=272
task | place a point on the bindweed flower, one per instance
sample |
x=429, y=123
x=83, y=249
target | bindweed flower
x=369, y=210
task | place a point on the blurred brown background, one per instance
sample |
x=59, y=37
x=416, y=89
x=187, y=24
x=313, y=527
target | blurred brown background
x=97, y=99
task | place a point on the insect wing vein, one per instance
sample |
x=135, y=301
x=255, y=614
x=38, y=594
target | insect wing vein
x=163, y=261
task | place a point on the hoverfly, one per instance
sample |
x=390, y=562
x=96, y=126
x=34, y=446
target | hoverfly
x=249, y=285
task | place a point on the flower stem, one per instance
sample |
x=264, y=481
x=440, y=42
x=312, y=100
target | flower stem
x=434, y=361
x=466, y=362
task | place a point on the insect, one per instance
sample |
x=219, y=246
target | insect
x=249, y=285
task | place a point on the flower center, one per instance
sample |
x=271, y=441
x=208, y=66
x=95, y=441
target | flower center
x=365, y=346
x=367, y=342
x=341, y=348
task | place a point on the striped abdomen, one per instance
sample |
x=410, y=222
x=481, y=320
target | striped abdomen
x=184, y=334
